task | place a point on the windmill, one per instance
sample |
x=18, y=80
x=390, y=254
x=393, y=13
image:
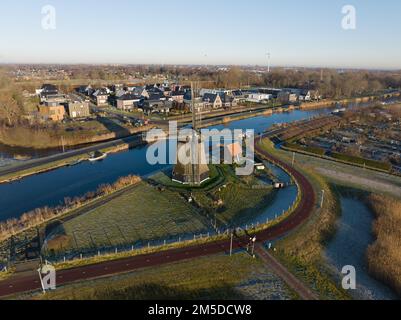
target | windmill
x=195, y=171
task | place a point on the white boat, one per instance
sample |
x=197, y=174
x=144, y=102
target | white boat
x=97, y=156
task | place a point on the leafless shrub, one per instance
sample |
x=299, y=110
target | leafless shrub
x=384, y=256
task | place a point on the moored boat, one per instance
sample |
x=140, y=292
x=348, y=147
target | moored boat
x=97, y=156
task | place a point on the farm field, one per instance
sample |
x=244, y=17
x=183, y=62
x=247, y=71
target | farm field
x=142, y=215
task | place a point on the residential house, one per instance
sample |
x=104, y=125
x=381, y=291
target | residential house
x=54, y=99
x=78, y=109
x=156, y=106
x=302, y=94
x=228, y=101
x=47, y=88
x=155, y=96
x=46, y=91
x=259, y=97
x=305, y=95
x=101, y=96
x=86, y=90
x=202, y=92
x=178, y=96
x=239, y=95
x=120, y=93
x=128, y=101
x=200, y=105
x=287, y=97
x=212, y=101
x=167, y=92
x=272, y=91
x=52, y=112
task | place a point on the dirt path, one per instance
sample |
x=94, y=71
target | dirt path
x=370, y=184
x=284, y=274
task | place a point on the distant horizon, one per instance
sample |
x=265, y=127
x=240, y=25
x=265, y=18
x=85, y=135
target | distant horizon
x=195, y=65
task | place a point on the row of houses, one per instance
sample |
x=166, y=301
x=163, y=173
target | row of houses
x=56, y=106
x=262, y=95
x=162, y=98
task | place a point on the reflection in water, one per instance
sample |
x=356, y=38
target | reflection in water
x=348, y=247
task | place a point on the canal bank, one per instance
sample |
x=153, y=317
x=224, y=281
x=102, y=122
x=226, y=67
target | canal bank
x=349, y=245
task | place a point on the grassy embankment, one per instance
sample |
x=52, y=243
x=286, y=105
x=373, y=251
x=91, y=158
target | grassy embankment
x=384, y=256
x=57, y=164
x=128, y=219
x=302, y=251
x=216, y=277
x=70, y=134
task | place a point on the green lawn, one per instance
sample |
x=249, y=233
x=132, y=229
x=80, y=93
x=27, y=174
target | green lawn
x=239, y=202
x=141, y=215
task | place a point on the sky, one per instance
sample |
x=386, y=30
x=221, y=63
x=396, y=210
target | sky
x=296, y=32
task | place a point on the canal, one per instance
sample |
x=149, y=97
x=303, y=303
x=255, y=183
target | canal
x=51, y=188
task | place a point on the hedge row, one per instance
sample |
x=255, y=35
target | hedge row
x=314, y=150
x=362, y=161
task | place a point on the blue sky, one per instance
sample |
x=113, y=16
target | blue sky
x=296, y=32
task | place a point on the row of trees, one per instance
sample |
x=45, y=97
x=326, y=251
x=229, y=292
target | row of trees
x=329, y=83
x=11, y=100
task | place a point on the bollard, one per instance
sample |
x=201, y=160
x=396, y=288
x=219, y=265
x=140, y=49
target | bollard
x=80, y=256
x=98, y=253
x=116, y=251
x=165, y=242
x=64, y=259
x=132, y=248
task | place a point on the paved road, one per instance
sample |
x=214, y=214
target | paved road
x=60, y=156
x=304, y=292
x=300, y=215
